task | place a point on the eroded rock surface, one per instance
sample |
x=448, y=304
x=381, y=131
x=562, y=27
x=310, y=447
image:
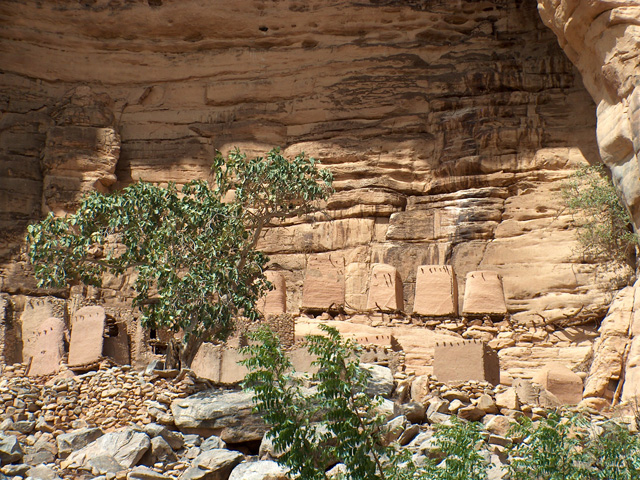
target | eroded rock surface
x=449, y=129
x=601, y=38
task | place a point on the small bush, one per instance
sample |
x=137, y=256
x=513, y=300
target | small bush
x=604, y=224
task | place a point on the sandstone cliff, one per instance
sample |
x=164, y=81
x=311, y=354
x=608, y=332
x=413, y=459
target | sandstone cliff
x=450, y=129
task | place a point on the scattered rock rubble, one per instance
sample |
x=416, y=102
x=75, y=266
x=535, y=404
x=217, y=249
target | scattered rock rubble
x=116, y=423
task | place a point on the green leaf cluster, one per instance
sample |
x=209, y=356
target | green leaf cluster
x=192, y=251
x=604, y=224
x=335, y=420
x=461, y=444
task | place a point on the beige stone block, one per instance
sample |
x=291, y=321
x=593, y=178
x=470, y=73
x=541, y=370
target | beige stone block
x=324, y=285
x=385, y=289
x=221, y=365
x=231, y=371
x=356, y=282
x=508, y=399
x=275, y=301
x=484, y=294
x=48, y=347
x=459, y=361
x=36, y=311
x=87, y=336
x=206, y=363
x=562, y=382
x=436, y=291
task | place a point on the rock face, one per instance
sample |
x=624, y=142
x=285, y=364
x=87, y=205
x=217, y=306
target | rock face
x=449, y=133
x=226, y=414
x=601, y=39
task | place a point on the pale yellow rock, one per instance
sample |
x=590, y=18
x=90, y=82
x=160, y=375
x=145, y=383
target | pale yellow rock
x=560, y=381
x=484, y=294
x=436, y=291
x=601, y=38
x=609, y=349
x=385, y=288
x=508, y=399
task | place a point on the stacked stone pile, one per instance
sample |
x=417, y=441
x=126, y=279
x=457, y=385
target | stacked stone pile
x=108, y=398
x=116, y=423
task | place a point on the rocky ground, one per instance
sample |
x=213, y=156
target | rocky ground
x=117, y=423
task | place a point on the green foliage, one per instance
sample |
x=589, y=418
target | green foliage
x=192, y=250
x=552, y=449
x=460, y=443
x=604, y=224
x=333, y=421
x=614, y=453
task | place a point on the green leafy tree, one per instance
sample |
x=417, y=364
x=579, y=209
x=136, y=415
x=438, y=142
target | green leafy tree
x=604, y=224
x=334, y=421
x=192, y=251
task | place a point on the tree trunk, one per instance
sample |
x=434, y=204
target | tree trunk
x=180, y=354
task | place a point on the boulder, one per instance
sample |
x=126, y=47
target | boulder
x=126, y=447
x=42, y=472
x=174, y=439
x=214, y=464
x=10, y=449
x=103, y=464
x=414, y=411
x=499, y=425
x=260, y=470
x=211, y=443
x=228, y=415
x=420, y=389
x=381, y=381
x=508, y=399
x=76, y=439
x=562, y=382
x=159, y=451
x=145, y=473
x=534, y=394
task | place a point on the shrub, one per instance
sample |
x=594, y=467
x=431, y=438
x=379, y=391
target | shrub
x=334, y=421
x=604, y=224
